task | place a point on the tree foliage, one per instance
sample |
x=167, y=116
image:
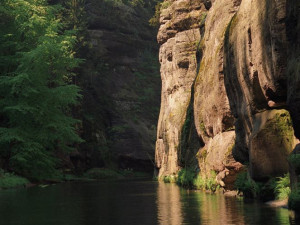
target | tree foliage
x=36, y=71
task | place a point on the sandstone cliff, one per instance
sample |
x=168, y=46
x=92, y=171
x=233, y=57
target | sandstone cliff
x=121, y=86
x=229, y=74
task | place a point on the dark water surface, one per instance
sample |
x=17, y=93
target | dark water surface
x=133, y=202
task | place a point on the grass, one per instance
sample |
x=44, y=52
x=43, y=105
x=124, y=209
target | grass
x=189, y=179
x=9, y=180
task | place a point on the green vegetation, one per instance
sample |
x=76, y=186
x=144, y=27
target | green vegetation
x=36, y=91
x=170, y=179
x=189, y=179
x=282, y=187
x=100, y=173
x=185, y=135
x=154, y=21
x=294, y=160
x=9, y=180
x=199, y=183
x=294, y=200
x=246, y=185
x=202, y=19
x=185, y=178
x=209, y=183
x=278, y=188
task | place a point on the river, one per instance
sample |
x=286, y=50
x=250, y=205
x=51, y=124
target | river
x=130, y=202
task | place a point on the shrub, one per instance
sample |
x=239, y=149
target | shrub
x=199, y=183
x=294, y=160
x=9, y=180
x=294, y=200
x=211, y=182
x=186, y=178
x=154, y=21
x=246, y=185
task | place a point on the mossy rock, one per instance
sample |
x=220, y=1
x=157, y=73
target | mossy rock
x=271, y=142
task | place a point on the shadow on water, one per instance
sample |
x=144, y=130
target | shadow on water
x=134, y=202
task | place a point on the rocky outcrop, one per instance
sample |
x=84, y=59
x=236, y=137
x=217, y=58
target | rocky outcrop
x=213, y=118
x=229, y=92
x=195, y=113
x=293, y=61
x=256, y=84
x=178, y=36
x=293, y=80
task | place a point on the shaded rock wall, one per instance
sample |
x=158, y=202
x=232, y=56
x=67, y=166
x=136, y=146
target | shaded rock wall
x=230, y=96
x=293, y=61
x=121, y=86
x=256, y=82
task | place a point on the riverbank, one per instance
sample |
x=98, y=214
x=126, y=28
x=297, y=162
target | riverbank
x=11, y=180
x=275, y=192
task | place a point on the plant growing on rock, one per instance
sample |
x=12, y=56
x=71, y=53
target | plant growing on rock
x=294, y=160
x=186, y=177
x=282, y=187
x=246, y=185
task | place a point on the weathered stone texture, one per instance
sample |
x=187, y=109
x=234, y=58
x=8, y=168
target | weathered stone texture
x=237, y=62
x=185, y=39
x=178, y=70
x=256, y=84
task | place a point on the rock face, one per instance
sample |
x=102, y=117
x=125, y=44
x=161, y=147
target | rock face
x=256, y=83
x=212, y=115
x=121, y=86
x=293, y=80
x=228, y=85
x=195, y=113
x=178, y=37
x=293, y=62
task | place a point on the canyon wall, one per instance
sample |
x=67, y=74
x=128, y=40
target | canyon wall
x=229, y=74
x=120, y=85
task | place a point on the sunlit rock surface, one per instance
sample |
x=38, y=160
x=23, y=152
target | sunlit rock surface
x=230, y=89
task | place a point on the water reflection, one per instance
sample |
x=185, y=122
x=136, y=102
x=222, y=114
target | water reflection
x=217, y=209
x=169, y=204
x=178, y=206
x=135, y=202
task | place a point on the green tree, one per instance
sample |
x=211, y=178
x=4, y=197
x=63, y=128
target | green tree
x=37, y=60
